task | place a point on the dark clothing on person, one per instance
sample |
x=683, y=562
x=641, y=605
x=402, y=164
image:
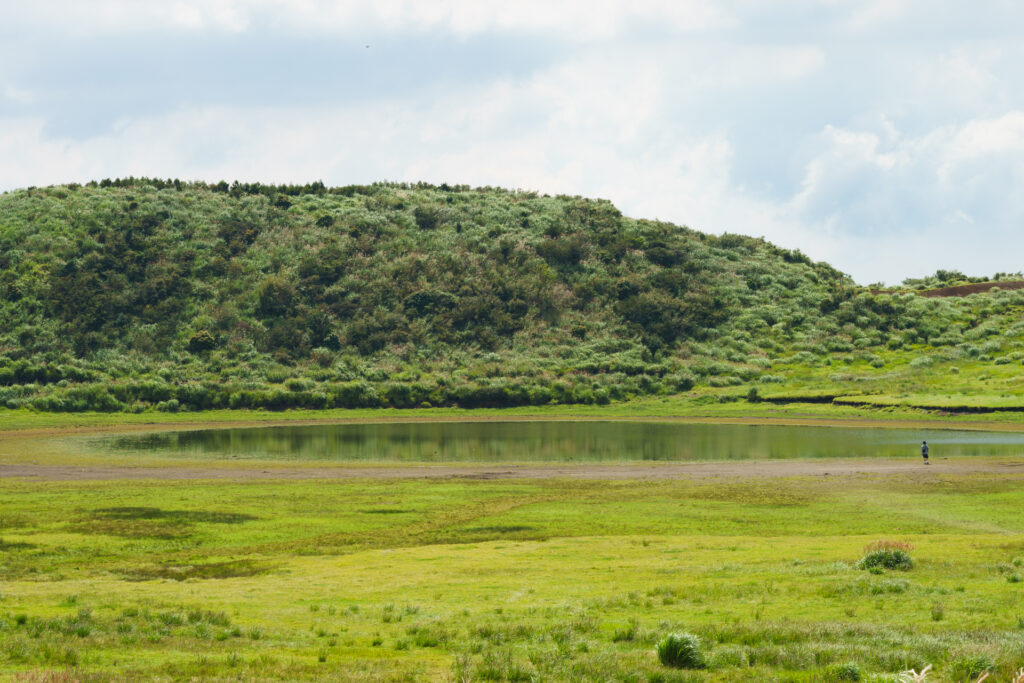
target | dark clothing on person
x=924, y=451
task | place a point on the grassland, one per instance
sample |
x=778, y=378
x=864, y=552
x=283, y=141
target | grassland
x=550, y=579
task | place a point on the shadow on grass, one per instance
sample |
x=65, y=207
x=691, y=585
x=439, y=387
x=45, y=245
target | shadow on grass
x=180, y=516
x=151, y=522
x=212, y=570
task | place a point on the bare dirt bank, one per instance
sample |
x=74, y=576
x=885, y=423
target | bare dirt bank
x=654, y=471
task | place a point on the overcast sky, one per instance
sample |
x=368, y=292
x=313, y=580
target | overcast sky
x=886, y=137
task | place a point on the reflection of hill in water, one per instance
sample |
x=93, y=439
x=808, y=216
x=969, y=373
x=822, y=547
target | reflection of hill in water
x=556, y=442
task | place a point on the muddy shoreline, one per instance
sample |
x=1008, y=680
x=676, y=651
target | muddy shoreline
x=655, y=471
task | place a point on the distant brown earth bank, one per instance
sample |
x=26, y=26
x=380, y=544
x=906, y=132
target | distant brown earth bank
x=960, y=290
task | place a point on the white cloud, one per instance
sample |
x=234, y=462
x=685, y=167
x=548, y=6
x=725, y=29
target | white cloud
x=858, y=176
x=40, y=161
x=1003, y=136
x=209, y=14
x=571, y=19
x=50, y=18
x=868, y=15
x=934, y=195
x=17, y=95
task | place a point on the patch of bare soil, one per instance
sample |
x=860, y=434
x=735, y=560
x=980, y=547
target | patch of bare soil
x=973, y=288
x=959, y=290
x=654, y=471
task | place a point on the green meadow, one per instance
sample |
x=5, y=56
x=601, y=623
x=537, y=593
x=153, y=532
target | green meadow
x=472, y=579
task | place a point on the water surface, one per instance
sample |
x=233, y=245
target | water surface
x=555, y=441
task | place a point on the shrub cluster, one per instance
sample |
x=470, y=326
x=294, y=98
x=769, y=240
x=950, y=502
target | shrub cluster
x=887, y=555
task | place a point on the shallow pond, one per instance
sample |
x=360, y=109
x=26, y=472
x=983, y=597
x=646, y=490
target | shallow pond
x=555, y=441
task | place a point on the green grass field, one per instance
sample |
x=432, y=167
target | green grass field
x=488, y=580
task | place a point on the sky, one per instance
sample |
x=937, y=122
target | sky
x=883, y=136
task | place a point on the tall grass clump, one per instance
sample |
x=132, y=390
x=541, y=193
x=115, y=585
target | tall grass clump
x=850, y=671
x=971, y=667
x=887, y=555
x=681, y=650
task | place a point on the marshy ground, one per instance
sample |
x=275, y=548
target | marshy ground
x=256, y=571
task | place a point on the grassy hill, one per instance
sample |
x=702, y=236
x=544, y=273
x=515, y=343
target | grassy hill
x=139, y=294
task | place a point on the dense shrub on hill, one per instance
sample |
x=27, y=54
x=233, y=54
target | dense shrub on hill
x=128, y=294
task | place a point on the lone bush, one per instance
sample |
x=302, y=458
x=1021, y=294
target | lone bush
x=201, y=341
x=681, y=650
x=889, y=559
x=426, y=217
x=887, y=555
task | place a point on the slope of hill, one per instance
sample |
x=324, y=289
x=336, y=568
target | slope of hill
x=128, y=295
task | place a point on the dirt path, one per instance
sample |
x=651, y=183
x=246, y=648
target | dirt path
x=660, y=471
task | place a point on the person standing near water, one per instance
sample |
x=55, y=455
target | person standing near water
x=924, y=451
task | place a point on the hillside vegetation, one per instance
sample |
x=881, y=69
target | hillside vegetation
x=138, y=294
